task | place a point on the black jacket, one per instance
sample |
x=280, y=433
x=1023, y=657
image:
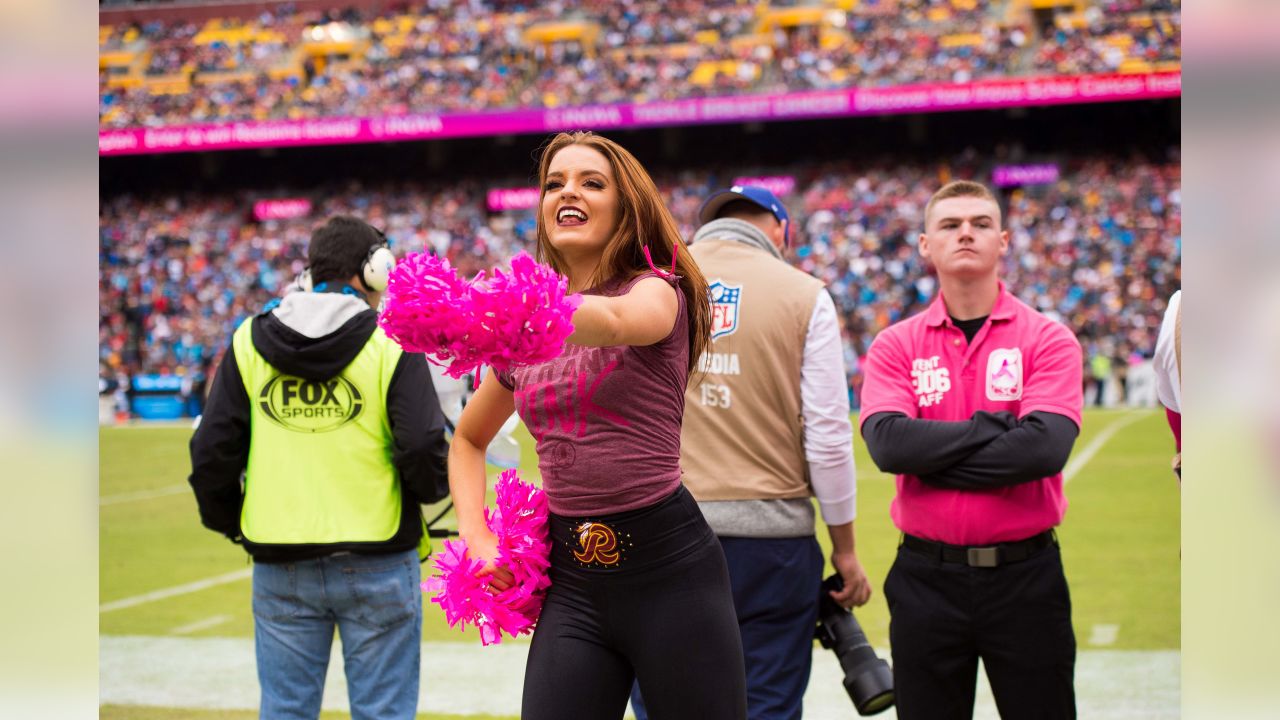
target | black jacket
x=336, y=329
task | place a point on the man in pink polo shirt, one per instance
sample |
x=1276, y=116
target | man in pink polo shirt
x=975, y=404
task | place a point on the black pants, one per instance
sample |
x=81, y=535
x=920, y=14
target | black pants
x=1016, y=617
x=644, y=596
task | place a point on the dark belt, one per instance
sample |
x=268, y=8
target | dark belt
x=654, y=535
x=984, y=556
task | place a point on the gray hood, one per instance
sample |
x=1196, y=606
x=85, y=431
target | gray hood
x=737, y=231
x=314, y=335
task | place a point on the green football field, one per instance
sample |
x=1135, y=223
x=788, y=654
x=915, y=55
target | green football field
x=162, y=575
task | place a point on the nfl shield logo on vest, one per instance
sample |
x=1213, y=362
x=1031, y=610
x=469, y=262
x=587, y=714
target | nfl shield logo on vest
x=724, y=308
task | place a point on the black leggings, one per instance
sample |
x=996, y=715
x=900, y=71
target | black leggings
x=642, y=595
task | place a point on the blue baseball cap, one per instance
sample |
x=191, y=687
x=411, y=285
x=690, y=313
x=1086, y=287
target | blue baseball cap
x=751, y=193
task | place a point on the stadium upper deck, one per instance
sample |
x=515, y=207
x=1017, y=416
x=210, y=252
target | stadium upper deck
x=291, y=63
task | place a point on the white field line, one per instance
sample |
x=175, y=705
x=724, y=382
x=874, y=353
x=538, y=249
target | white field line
x=1103, y=635
x=199, y=625
x=1078, y=462
x=144, y=495
x=183, y=424
x=465, y=679
x=164, y=593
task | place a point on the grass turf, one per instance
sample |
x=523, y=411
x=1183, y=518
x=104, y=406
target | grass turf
x=1120, y=539
x=134, y=712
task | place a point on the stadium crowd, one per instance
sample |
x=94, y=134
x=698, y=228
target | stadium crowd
x=1120, y=35
x=1099, y=250
x=447, y=57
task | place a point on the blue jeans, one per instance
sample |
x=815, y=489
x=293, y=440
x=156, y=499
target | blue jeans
x=376, y=604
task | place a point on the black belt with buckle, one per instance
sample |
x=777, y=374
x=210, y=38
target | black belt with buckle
x=986, y=556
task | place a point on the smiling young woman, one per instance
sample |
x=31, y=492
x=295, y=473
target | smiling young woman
x=624, y=215
x=640, y=589
x=579, y=208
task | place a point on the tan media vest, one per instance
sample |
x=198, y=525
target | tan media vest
x=743, y=433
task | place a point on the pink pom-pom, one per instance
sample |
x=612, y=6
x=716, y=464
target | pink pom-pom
x=520, y=522
x=510, y=320
x=426, y=304
x=523, y=317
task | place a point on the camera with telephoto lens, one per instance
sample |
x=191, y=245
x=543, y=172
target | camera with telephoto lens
x=867, y=678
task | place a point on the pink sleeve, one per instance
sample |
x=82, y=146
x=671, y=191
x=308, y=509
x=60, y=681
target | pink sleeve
x=1175, y=424
x=1055, y=382
x=886, y=385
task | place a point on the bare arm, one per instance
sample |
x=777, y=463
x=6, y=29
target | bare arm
x=643, y=316
x=481, y=419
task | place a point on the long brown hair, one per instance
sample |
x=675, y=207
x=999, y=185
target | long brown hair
x=642, y=218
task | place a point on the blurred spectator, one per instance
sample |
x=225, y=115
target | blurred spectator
x=1168, y=370
x=1100, y=373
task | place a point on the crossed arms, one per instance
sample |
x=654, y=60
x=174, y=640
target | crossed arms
x=989, y=450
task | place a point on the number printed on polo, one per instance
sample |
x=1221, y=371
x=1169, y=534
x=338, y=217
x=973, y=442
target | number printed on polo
x=310, y=406
x=929, y=381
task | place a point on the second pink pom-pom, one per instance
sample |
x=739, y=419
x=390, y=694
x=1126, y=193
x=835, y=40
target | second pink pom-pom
x=520, y=522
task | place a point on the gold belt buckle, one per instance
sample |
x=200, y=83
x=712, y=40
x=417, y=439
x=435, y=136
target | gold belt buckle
x=598, y=545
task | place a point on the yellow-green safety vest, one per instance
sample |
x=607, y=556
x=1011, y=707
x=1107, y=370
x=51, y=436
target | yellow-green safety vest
x=320, y=469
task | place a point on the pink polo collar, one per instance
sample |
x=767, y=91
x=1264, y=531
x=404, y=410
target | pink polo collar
x=936, y=315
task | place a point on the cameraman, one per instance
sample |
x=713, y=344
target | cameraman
x=339, y=436
x=766, y=428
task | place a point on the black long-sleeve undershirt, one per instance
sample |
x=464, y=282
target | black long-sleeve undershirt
x=220, y=450
x=908, y=446
x=420, y=452
x=989, y=450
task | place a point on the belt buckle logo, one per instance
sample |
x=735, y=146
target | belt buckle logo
x=598, y=543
